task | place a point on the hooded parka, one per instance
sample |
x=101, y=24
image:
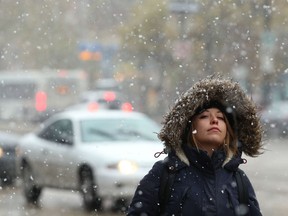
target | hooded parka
x=203, y=185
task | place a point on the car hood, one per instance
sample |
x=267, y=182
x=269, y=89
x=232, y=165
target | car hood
x=140, y=151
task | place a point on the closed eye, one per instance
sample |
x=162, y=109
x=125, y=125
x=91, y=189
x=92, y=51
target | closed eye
x=204, y=116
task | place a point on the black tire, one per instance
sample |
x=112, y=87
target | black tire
x=31, y=190
x=88, y=189
x=120, y=205
x=6, y=181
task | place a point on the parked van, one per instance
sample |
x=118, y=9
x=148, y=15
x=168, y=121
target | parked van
x=35, y=95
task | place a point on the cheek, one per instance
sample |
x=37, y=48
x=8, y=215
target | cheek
x=224, y=127
x=199, y=129
x=199, y=135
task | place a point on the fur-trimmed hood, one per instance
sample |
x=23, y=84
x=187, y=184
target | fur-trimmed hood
x=225, y=91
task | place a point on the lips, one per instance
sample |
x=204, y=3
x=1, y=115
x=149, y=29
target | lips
x=214, y=129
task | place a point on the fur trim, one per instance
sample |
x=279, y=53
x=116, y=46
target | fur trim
x=224, y=91
x=181, y=155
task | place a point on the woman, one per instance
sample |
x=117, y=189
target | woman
x=204, y=135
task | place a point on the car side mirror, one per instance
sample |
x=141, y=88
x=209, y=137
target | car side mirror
x=66, y=139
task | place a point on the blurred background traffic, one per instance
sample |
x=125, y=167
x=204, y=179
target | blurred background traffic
x=132, y=56
x=53, y=52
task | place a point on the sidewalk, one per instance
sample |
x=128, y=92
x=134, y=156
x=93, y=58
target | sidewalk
x=269, y=176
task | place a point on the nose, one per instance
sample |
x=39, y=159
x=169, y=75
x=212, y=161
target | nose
x=214, y=120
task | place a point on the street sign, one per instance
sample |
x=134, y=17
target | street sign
x=183, y=7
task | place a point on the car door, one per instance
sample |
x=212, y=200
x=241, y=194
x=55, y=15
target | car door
x=58, y=153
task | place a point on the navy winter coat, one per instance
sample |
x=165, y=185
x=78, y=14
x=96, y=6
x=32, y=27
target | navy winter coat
x=203, y=188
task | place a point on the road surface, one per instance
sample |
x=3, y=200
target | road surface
x=268, y=173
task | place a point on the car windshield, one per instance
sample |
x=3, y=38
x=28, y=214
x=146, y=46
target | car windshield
x=118, y=129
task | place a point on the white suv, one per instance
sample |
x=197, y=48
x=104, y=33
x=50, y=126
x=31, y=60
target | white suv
x=103, y=154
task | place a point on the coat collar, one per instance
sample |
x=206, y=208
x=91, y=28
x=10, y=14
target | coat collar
x=201, y=160
x=187, y=156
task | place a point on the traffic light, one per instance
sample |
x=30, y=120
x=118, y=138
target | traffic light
x=90, y=56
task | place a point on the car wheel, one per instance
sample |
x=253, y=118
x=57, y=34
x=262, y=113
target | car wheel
x=6, y=181
x=89, y=191
x=31, y=190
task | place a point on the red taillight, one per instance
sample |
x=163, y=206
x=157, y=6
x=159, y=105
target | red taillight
x=127, y=107
x=109, y=96
x=93, y=107
x=63, y=73
x=40, y=101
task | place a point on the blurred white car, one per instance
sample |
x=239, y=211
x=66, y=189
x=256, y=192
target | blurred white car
x=8, y=145
x=102, y=154
x=102, y=99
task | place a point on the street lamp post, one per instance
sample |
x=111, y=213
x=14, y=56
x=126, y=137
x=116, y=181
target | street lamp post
x=267, y=53
x=183, y=8
x=182, y=46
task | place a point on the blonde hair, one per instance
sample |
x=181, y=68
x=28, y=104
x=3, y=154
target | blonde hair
x=230, y=141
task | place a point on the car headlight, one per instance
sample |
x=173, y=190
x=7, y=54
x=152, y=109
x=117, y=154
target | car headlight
x=125, y=167
x=1, y=152
x=17, y=151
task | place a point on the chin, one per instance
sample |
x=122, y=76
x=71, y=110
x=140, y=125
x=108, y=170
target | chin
x=217, y=142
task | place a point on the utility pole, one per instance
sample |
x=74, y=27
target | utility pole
x=182, y=9
x=267, y=15
x=267, y=54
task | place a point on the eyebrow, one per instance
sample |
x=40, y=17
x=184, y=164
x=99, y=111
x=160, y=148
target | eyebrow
x=218, y=111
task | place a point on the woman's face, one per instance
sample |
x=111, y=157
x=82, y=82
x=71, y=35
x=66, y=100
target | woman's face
x=209, y=128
